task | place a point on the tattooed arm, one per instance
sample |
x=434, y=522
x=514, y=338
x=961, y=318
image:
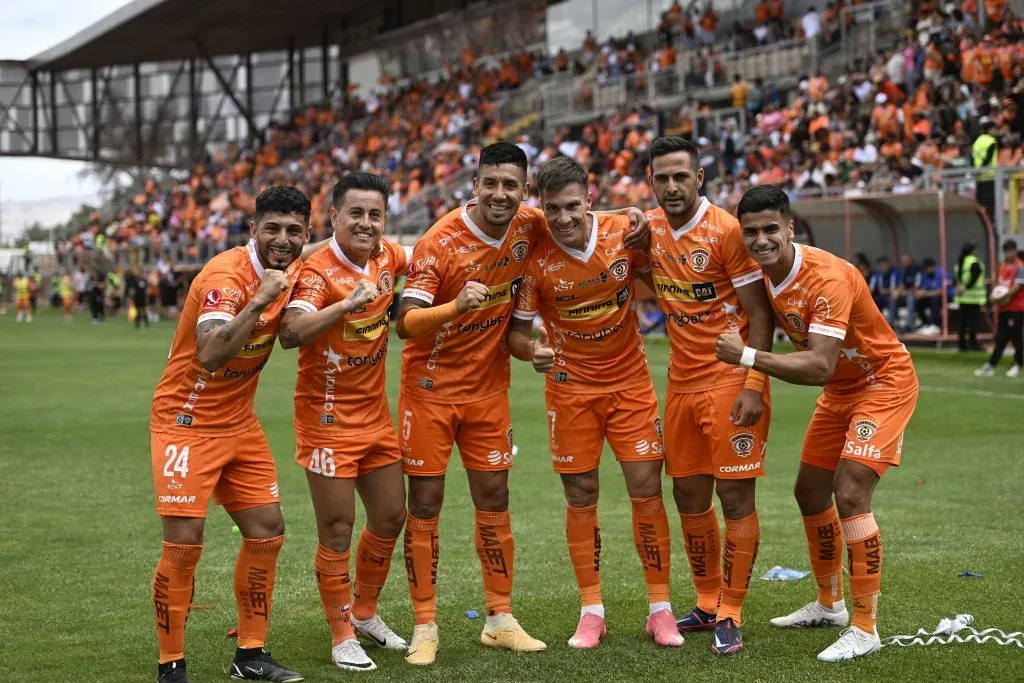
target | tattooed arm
x=218, y=341
x=300, y=327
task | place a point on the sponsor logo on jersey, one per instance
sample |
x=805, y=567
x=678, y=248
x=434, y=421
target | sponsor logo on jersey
x=174, y=485
x=464, y=249
x=602, y=277
x=742, y=443
x=659, y=428
x=565, y=459
x=865, y=430
x=822, y=310
x=677, y=290
x=520, y=248
x=178, y=499
x=448, y=238
x=426, y=383
x=597, y=308
x=619, y=269
x=745, y=467
x=562, y=286
x=183, y=419
x=386, y=281
x=510, y=436
x=699, y=259
x=501, y=294
x=796, y=321
x=560, y=376
x=213, y=298
x=326, y=419
x=258, y=346
x=367, y=328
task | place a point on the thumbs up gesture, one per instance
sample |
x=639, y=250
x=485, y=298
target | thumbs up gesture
x=543, y=355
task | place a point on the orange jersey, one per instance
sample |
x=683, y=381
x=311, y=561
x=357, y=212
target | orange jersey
x=824, y=294
x=188, y=398
x=586, y=301
x=467, y=359
x=696, y=271
x=340, y=386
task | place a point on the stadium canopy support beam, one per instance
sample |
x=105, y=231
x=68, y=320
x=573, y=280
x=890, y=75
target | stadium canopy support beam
x=228, y=90
x=137, y=92
x=35, y=112
x=193, y=114
x=53, y=113
x=291, y=74
x=95, y=102
x=325, y=64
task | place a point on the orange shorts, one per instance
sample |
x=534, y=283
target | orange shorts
x=700, y=439
x=347, y=457
x=238, y=470
x=866, y=428
x=22, y=302
x=580, y=423
x=426, y=432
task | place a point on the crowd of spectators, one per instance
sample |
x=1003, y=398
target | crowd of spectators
x=899, y=114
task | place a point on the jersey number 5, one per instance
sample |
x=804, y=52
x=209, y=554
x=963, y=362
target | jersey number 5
x=177, y=462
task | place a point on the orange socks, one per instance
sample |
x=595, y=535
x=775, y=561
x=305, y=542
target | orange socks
x=703, y=541
x=650, y=536
x=742, y=536
x=332, y=579
x=584, y=537
x=173, y=586
x=496, y=550
x=255, y=570
x=422, y=550
x=864, y=543
x=824, y=544
x=373, y=561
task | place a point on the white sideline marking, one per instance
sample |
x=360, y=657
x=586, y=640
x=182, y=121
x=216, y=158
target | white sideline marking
x=972, y=392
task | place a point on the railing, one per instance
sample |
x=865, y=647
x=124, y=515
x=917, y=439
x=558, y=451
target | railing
x=865, y=28
x=997, y=189
x=593, y=95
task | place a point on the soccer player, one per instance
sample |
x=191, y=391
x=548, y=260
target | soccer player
x=22, y=304
x=206, y=438
x=598, y=387
x=455, y=314
x=345, y=439
x=67, y=295
x=843, y=343
x=716, y=416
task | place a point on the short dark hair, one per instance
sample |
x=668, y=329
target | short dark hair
x=763, y=198
x=503, y=153
x=283, y=199
x=669, y=144
x=927, y=262
x=882, y=259
x=560, y=172
x=1010, y=244
x=359, y=180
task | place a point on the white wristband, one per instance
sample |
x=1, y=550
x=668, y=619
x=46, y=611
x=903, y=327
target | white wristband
x=747, y=359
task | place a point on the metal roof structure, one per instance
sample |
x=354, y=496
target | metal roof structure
x=157, y=82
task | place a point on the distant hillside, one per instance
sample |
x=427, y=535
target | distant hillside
x=19, y=214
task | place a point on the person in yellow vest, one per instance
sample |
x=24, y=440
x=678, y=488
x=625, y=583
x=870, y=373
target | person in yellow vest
x=67, y=295
x=985, y=152
x=970, y=296
x=22, y=303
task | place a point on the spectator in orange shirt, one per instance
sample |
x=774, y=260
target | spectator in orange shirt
x=817, y=86
x=740, y=88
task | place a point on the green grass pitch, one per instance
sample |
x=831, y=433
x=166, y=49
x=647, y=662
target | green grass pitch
x=79, y=537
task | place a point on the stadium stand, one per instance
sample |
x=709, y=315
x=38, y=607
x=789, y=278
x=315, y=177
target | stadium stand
x=866, y=97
